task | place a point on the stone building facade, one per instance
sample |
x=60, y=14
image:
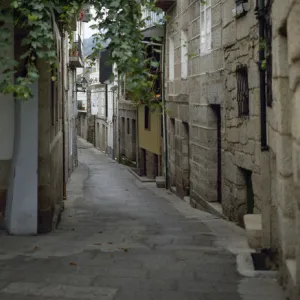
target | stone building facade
x=241, y=141
x=127, y=142
x=38, y=139
x=194, y=93
x=284, y=139
x=233, y=117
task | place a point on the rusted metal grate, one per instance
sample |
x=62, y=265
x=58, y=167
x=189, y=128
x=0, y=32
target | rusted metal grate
x=242, y=90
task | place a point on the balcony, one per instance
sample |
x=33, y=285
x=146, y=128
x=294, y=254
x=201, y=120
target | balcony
x=165, y=4
x=76, y=55
x=153, y=24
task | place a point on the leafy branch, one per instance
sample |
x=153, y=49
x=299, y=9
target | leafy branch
x=118, y=21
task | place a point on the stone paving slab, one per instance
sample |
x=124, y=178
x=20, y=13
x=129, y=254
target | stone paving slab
x=121, y=239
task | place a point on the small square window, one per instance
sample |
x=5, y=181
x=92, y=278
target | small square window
x=242, y=90
x=147, y=117
x=128, y=126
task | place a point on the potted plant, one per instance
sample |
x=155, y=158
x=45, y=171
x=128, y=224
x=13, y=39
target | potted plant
x=75, y=50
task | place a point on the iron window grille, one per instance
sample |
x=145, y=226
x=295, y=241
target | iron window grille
x=242, y=90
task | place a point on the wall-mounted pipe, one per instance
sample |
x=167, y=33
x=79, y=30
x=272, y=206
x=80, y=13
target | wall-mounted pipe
x=166, y=165
x=262, y=76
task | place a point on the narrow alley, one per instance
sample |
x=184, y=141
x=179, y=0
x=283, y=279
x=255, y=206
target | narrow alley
x=125, y=240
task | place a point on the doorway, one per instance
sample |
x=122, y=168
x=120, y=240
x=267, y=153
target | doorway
x=217, y=111
x=186, y=158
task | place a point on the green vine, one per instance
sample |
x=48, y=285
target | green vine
x=119, y=21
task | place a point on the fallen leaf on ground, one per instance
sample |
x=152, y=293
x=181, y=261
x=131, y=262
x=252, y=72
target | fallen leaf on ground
x=124, y=249
x=110, y=243
x=73, y=263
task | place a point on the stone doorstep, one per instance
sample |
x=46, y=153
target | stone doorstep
x=160, y=182
x=245, y=267
x=140, y=178
x=173, y=190
x=253, y=227
x=214, y=208
x=291, y=267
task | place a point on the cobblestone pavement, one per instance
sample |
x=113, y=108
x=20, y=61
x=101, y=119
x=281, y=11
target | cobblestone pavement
x=123, y=240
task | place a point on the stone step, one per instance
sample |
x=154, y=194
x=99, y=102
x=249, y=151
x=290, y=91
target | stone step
x=160, y=182
x=253, y=227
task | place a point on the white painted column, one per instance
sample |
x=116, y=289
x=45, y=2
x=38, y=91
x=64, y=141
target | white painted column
x=22, y=200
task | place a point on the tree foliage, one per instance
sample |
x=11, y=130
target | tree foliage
x=119, y=21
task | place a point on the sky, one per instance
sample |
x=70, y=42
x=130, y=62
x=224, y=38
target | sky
x=88, y=32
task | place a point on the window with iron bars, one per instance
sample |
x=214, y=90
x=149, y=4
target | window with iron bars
x=242, y=90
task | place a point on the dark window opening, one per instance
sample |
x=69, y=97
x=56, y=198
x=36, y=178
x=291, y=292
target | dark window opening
x=238, y=2
x=147, y=117
x=242, y=90
x=161, y=126
x=128, y=126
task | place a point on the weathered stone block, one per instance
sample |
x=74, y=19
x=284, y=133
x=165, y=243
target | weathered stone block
x=296, y=164
x=284, y=155
x=216, y=14
x=280, y=56
x=227, y=7
x=287, y=234
x=253, y=226
x=294, y=75
x=244, y=160
x=216, y=37
x=232, y=134
x=285, y=196
x=253, y=76
x=283, y=108
x=293, y=29
x=253, y=128
x=280, y=10
x=244, y=24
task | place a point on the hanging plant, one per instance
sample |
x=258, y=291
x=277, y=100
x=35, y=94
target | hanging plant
x=118, y=21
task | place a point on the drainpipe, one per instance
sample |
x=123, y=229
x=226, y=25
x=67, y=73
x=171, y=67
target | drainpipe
x=164, y=108
x=63, y=124
x=118, y=122
x=262, y=77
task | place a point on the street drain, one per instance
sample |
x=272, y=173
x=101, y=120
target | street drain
x=265, y=260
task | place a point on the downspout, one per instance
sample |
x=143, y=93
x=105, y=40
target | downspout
x=164, y=109
x=118, y=121
x=63, y=124
x=137, y=139
x=262, y=77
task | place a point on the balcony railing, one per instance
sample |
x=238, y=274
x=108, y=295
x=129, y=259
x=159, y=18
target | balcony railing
x=152, y=19
x=76, y=55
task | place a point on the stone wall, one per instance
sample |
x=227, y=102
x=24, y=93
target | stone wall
x=128, y=147
x=284, y=140
x=50, y=156
x=101, y=134
x=191, y=124
x=241, y=134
